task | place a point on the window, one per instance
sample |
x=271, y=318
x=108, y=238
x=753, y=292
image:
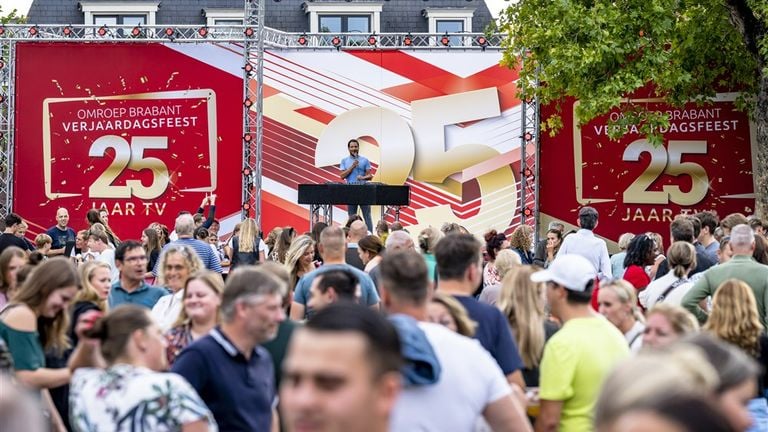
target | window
x=343, y=17
x=450, y=20
x=111, y=13
x=451, y=26
x=224, y=17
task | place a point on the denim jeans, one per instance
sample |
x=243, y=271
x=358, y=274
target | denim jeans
x=366, y=209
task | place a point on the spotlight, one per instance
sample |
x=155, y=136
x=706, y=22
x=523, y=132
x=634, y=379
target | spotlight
x=528, y=136
x=302, y=40
x=169, y=31
x=2, y=31
x=248, y=68
x=527, y=172
x=249, y=32
x=445, y=40
x=33, y=31
x=246, y=206
x=203, y=31
x=482, y=41
x=528, y=212
x=2, y=98
x=247, y=138
x=136, y=32
x=372, y=40
x=247, y=172
x=248, y=103
x=2, y=64
x=67, y=31
x=336, y=41
x=408, y=40
x=102, y=30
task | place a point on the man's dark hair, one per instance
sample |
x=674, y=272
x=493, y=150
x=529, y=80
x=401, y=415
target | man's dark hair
x=404, y=275
x=454, y=254
x=353, y=140
x=344, y=282
x=754, y=223
x=588, y=218
x=383, y=349
x=709, y=220
x=12, y=219
x=682, y=230
x=580, y=297
x=124, y=247
x=696, y=226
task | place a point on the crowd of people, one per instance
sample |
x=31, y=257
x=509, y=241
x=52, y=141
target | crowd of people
x=360, y=328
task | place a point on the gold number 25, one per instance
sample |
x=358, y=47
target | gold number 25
x=667, y=161
x=129, y=156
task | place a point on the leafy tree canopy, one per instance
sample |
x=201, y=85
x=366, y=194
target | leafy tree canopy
x=600, y=51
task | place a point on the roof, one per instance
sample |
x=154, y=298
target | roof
x=397, y=16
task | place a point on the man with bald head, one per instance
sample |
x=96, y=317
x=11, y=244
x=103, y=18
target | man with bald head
x=332, y=248
x=357, y=230
x=741, y=266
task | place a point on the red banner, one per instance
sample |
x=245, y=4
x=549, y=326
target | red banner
x=139, y=129
x=705, y=164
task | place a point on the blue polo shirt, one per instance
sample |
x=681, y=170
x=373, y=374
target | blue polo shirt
x=145, y=295
x=239, y=392
x=363, y=166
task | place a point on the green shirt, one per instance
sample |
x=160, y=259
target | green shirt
x=741, y=267
x=24, y=346
x=576, y=361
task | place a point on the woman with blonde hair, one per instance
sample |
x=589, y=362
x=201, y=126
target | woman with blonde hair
x=521, y=241
x=282, y=244
x=506, y=260
x=445, y=310
x=617, y=302
x=673, y=286
x=522, y=302
x=200, y=311
x=247, y=247
x=735, y=319
x=95, y=285
x=175, y=266
x=666, y=323
x=299, y=260
x=617, y=259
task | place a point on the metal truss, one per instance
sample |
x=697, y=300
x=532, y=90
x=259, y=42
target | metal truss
x=356, y=41
x=7, y=94
x=253, y=112
x=529, y=161
x=126, y=33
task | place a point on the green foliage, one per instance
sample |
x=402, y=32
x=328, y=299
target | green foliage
x=600, y=51
x=12, y=17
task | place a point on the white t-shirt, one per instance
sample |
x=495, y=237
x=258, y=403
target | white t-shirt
x=108, y=256
x=470, y=379
x=167, y=309
x=651, y=293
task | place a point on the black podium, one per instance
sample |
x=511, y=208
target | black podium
x=322, y=197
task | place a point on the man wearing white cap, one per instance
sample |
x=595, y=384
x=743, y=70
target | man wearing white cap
x=579, y=356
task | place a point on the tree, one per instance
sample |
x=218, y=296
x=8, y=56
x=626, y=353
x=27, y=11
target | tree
x=600, y=51
x=12, y=17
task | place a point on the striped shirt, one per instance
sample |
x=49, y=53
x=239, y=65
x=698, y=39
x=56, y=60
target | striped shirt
x=203, y=250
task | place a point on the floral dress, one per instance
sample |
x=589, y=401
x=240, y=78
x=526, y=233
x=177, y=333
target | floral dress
x=177, y=338
x=130, y=398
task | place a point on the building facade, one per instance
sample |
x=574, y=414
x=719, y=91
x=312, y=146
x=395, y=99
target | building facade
x=297, y=16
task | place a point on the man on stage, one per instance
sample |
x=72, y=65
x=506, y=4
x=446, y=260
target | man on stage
x=357, y=169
